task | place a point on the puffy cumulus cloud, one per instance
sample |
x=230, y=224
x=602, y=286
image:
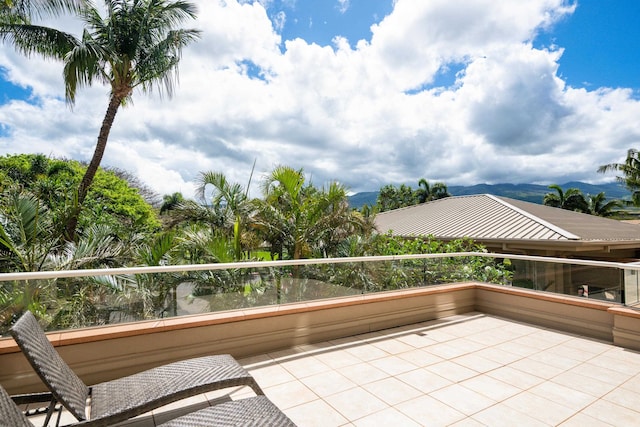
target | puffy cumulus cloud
x=168, y=167
x=515, y=101
x=49, y=127
x=232, y=32
x=420, y=37
x=364, y=112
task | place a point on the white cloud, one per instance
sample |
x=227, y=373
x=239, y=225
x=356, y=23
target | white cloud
x=343, y=5
x=344, y=111
x=279, y=19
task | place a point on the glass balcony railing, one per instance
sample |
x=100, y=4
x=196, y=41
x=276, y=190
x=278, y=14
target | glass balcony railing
x=81, y=298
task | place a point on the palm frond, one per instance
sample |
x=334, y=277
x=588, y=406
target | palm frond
x=39, y=9
x=34, y=39
x=157, y=68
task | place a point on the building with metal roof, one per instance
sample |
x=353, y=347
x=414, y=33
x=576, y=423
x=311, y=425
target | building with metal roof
x=514, y=226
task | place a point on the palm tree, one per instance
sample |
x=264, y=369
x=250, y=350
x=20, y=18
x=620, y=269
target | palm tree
x=439, y=191
x=599, y=206
x=135, y=46
x=630, y=171
x=230, y=200
x=387, y=198
x=26, y=233
x=301, y=218
x=338, y=221
x=575, y=201
x=423, y=191
x=555, y=200
x=170, y=202
x=280, y=216
x=155, y=290
x=223, y=206
x=427, y=193
x=406, y=195
x=571, y=199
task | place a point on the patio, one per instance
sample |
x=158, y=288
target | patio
x=471, y=369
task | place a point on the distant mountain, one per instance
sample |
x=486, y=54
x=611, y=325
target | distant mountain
x=528, y=192
x=358, y=200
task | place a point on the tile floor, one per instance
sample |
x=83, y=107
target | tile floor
x=466, y=370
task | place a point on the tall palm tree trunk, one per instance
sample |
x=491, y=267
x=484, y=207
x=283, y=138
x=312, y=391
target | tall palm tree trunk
x=87, y=179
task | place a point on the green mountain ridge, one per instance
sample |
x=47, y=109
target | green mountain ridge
x=533, y=193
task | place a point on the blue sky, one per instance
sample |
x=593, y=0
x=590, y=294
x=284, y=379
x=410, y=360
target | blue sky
x=601, y=39
x=601, y=42
x=11, y=91
x=321, y=21
x=366, y=92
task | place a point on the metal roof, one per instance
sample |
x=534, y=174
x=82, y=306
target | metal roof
x=485, y=216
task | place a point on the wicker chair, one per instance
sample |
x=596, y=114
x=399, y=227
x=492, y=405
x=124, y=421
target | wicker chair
x=10, y=414
x=252, y=411
x=124, y=398
x=257, y=411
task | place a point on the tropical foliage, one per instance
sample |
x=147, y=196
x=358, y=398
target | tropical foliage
x=391, y=197
x=629, y=173
x=571, y=199
x=136, y=45
x=113, y=200
x=574, y=200
x=600, y=206
x=17, y=25
x=427, y=192
x=392, y=275
x=292, y=219
x=34, y=205
x=300, y=220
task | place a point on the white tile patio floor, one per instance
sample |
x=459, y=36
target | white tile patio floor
x=466, y=370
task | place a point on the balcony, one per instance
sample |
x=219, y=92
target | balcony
x=470, y=353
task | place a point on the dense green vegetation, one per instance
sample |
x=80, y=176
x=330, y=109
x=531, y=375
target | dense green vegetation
x=37, y=197
x=292, y=219
x=113, y=200
x=391, y=197
x=574, y=200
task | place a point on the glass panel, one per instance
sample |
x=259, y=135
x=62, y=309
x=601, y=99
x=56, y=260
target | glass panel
x=632, y=286
x=73, y=302
x=595, y=282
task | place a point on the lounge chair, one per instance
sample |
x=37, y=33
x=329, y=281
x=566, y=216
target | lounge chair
x=257, y=411
x=10, y=414
x=252, y=411
x=124, y=398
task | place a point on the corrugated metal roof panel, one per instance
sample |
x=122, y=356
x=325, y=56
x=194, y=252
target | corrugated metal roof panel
x=490, y=217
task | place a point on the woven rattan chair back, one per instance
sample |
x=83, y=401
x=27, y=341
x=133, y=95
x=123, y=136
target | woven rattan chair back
x=10, y=414
x=64, y=384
